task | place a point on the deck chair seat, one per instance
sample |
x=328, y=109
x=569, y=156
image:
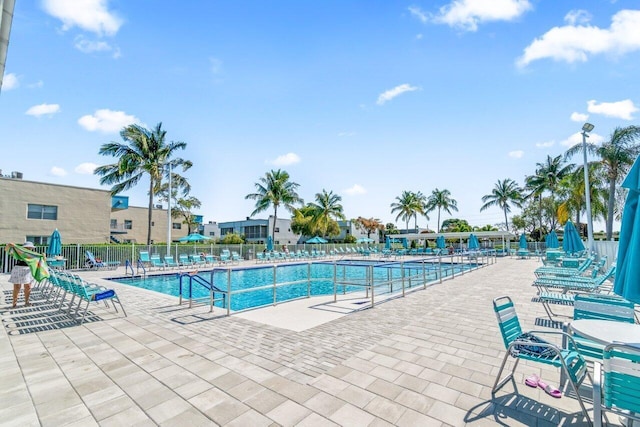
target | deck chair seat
x=616, y=383
x=531, y=346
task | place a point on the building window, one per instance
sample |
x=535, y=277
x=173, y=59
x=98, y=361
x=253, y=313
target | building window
x=212, y=233
x=38, y=240
x=128, y=224
x=114, y=224
x=277, y=229
x=225, y=231
x=42, y=212
x=176, y=225
x=255, y=231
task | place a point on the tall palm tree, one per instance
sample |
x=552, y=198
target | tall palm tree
x=408, y=205
x=571, y=189
x=617, y=155
x=275, y=189
x=441, y=200
x=326, y=209
x=144, y=152
x=504, y=193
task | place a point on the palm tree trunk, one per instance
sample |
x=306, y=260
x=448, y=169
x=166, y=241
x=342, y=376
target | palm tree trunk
x=610, y=205
x=150, y=211
x=438, y=230
x=506, y=220
x=273, y=231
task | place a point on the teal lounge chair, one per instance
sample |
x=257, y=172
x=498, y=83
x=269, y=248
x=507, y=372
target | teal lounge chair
x=183, y=260
x=156, y=262
x=170, y=262
x=93, y=262
x=144, y=258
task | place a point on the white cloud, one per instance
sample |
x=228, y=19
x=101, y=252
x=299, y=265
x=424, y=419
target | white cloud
x=516, y=154
x=546, y=144
x=467, y=14
x=341, y=134
x=56, y=171
x=419, y=36
x=85, y=168
x=216, y=65
x=396, y=91
x=576, y=138
x=575, y=43
x=43, y=109
x=285, y=160
x=89, y=46
x=89, y=15
x=579, y=117
x=107, y=121
x=355, y=190
x=621, y=109
x=36, y=85
x=10, y=81
x=577, y=17
x=418, y=13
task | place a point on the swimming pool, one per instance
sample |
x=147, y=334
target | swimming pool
x=265, y=285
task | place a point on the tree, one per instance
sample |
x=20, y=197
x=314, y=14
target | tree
x=409, y=205
x=504, y=193
x=183, y=208
x=326, y=211
x=232, y=239
x=275, y=189
x=368, y=225
x=617, y=155
x=144, y=152
x=441, y=200
x=390, y=228
x=453, y=225
x=572, y=190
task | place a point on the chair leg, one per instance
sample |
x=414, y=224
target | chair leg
x=499, y=383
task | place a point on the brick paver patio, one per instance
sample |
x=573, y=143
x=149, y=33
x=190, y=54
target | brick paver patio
x=428, y=359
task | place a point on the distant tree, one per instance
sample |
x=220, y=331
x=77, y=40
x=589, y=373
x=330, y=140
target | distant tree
x=232, y=239
x=409, y=205
x=368, y=225
x=326, y=211
x=275, y=189
x=441, y=200
x=350, y=238
x=184, y=209
x=144, y=152
x=617, y=155
x=302, y=221
x=505, y=193
x=390, y=228
x=453, y=225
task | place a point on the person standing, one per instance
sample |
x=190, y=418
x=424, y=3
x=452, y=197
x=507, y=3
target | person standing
x=21, y=275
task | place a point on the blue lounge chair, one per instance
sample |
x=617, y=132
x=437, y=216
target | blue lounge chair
x=529, y=346
x=156, y=262
x=170, y=262
x=93, y=262
x=197, y=260
x=183, y=260
x=144, y=258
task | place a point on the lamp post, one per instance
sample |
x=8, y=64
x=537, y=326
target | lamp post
x=587, y=127
x=169, y=215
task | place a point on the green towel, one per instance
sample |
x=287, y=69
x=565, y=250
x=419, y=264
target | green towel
x=36, y=262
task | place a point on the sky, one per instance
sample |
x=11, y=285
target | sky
x=363, y=98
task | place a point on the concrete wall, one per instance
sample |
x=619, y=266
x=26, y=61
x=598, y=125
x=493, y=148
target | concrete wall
x=83, y=213
x=139, y=220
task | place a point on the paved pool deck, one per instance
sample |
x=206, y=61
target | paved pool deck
x=427, y=359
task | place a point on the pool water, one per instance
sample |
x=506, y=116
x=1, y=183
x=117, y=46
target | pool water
x=253, y=287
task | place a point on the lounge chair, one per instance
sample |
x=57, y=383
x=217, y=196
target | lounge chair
x=183, y=260
x=170, y=262
x=93, y=262
x=197, y=260
x=235, y=257
x=616, y=383
x=210, y=259
x=156, y=262
x=225, y=256
x=563, y=271
x=529, y=346
x=144, y=258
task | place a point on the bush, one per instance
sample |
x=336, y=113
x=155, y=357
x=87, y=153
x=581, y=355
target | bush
x=350, y=239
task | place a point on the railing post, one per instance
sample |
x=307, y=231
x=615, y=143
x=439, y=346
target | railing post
x=228, y=290
x=440, y=267
x=309, y=279
x=424, y=275
x=335, y=282
x=274, y=285
x=370, y=268
x=402, y=275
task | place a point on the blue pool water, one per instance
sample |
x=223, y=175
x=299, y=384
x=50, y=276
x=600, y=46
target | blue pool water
x=295, y=280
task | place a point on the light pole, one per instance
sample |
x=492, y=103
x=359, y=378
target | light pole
x=587, y=127
x=169, y=215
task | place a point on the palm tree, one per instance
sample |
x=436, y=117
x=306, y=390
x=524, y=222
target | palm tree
x=617, y=155
x=144, y=152
x=327, y=209
x=572, y=190
x=505, y=192
x=441, y=199
x=408, y=205
x=275, y=189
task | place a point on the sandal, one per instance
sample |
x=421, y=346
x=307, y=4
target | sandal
x=550, y=390
x=532, y=381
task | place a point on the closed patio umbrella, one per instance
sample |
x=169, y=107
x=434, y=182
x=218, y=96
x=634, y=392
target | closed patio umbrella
x=627, y=281
x=387, y=242
x=55, y=244
x=523, y=242
x=473, y=242
x=571, y=242
x=269, y=243
x=440, y=243
x=551, y=240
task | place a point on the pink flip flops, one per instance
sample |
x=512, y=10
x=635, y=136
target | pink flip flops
x=532, y=381
x=535, y=381
x=550, y=390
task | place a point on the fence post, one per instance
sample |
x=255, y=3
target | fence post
x=309, y=279
x=335, y=282
x=274, y=284
x=370, y=268
x=228, y=290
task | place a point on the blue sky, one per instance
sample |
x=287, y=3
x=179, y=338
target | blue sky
x=363, y=98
